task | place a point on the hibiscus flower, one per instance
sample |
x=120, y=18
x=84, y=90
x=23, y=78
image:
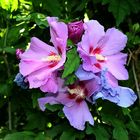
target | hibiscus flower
x=40, y=63
x=73, y=98
x=100, y=50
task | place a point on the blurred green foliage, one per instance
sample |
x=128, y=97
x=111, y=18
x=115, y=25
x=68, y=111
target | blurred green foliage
x=20, y=117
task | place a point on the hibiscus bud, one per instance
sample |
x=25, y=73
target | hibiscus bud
x=19, y=52
x=21, y=81
x=75, y=31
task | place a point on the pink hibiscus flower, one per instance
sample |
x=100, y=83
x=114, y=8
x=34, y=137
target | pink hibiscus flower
x=100, y=50
x=73, y=98
x=39, y=64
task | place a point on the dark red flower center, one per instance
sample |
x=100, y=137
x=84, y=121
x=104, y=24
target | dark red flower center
x=99, y=57
x=77, y=92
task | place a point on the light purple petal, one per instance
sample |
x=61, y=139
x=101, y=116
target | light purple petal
x=51, y=84
x=84, y=75
x=113, y=42
x=115, y=65
x=58, y=30
x=111, y=79
x=94, y=31
x=31, y=59
x=78, y=114
x=38, y=78
x=61, y=98
x=122, y=96
x=126, y=96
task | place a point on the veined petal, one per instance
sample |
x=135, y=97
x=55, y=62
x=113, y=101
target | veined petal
x=78, y=115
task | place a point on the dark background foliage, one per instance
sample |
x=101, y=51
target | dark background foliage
x=20, y=117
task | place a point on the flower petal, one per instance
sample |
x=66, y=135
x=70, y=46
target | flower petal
x=78, y=114
x=126, y=96
x=94, y=31
x=58, y=30
x=31, y=59
x=84, y=75
x=115, y=65
x=51, y=84
x=61, y=98
x=113, y=42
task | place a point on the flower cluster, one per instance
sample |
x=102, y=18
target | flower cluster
x=102, y=65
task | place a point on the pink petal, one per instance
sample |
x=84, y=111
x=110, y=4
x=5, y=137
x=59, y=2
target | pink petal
x=115, y=65
x=58, y=30
x=31, y=60
x=51, y=85
x=78, y=114
x=61, y=98
x=113, y=42
x=93, y=33
x=38, y=78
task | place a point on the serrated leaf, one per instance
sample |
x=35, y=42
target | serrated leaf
x=72, y=63
x=120, y=133
x=121, y=8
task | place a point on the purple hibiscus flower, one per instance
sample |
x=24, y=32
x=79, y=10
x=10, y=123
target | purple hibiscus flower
x=100, y=50
x=108, y=88
x=39, y=64
x=73, y=98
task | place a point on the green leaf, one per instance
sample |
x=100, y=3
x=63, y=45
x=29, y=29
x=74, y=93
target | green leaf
x=40, y=136
x=56, y=130
x=72, y=63
x=99, y=132
x=35, y=120
x=10, y=50
x=35, y=96
x=121, y=8
x=25, y=135
x=39, y=19
x=53, y=108
x=120, y=133
x=70, y=79
x=67, y=135
x=9, y=4
x=53, y=7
